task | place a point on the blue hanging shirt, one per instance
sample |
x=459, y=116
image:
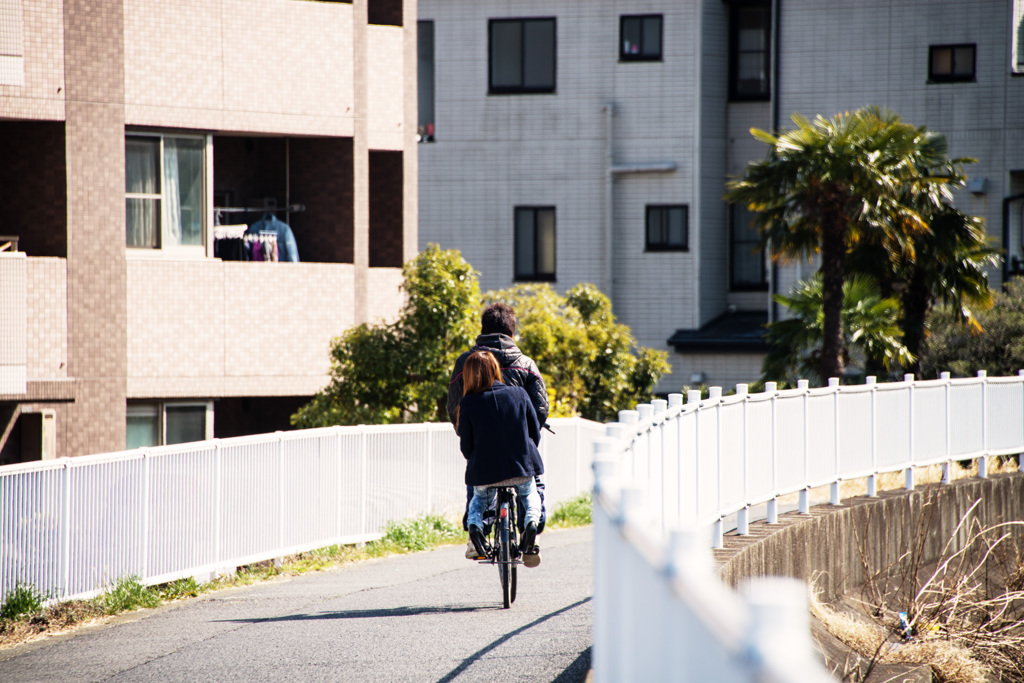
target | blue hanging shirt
x=287, y=250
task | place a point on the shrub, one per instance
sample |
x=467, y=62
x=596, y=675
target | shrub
x=24, y=599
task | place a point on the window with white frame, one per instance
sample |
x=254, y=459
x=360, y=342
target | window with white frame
x=164, y=191
x=158, y=424
x=535, y=243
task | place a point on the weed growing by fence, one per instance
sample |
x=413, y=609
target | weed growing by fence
x=128, y=594
x=24, y=599
x=572, y=513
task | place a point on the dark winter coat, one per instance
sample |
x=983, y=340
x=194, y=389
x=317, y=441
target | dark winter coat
x=498, y=435
x=516, y=370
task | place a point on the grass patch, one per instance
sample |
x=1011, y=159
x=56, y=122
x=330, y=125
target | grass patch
x=24, y=599
x=128, y=594
x=572, y=513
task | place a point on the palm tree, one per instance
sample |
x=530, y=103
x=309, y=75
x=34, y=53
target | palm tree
x=948, y=268
x=830, y=183
x=870, y=331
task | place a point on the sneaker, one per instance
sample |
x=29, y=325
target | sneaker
x=529, y=536
x=477, y=540
x=471, y=553
x=531, y=558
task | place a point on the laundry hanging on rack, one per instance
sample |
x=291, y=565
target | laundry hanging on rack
x=262, y=246
x=286, y=248
x=228, y=243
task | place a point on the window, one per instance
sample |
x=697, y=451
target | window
x=164, y=179
x=640, y=38
x=385, y=12
x=535, y=243
x=667, y=228
x=951, y=63
x=522, y=58
x=746, y=262
x=158, y=424
x=425, y=80
x=749, y=57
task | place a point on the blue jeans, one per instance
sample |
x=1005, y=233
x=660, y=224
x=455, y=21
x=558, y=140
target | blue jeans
x=527, y=494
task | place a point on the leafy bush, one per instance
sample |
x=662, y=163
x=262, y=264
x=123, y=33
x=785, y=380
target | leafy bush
x=995, y=343
x=23, y=599
x=591, y=364
x=416, y=534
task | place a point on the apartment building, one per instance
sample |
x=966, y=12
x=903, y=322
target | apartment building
x=142, y=301
x=568, y=142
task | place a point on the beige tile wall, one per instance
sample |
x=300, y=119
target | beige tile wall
x=385, y=88
x=212, y=328
x=42, y=95
x=47, y=325
x=248, y=65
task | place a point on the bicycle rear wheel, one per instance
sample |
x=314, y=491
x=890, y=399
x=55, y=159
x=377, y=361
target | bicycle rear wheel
x=505, y=570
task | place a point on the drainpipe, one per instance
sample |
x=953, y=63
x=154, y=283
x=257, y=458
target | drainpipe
x=1006, y=232
x=609, y=199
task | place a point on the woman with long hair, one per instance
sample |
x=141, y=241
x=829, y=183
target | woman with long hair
x=498, y=434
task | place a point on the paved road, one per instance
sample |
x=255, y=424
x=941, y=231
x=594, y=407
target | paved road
x=431, y=616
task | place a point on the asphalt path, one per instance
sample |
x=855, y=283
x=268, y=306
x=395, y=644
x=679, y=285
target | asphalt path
x=431, y=616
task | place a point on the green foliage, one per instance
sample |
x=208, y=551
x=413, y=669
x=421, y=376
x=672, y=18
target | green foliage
x=869, y=324
x=414, y=535
x=398, y=372
x=830, y=184
x=23, y=599
x=182, y=588
x=995, y=343
x=572, y=513
x=128, y=594
x=591, y=364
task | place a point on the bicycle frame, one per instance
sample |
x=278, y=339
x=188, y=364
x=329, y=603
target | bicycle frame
x=505, y=549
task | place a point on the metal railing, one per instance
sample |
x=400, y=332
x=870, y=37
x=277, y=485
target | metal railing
x=669, y=472
x=70, y=527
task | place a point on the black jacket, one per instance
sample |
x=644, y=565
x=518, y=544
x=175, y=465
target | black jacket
x=498, y=435
x=516, y=370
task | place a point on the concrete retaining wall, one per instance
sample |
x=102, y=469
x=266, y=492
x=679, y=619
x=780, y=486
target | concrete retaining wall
x=831, y=544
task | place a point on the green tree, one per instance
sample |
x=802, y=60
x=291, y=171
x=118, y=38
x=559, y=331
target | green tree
x=948, y=269
x=830, y=183
x=591, y=364
x=870, y=327
x=995, y=344
x=398, y=372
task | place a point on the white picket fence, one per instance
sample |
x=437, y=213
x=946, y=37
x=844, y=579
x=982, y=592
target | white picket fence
x=70, y=527
x=669, y=473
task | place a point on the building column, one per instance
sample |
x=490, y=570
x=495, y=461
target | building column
x=97, y=273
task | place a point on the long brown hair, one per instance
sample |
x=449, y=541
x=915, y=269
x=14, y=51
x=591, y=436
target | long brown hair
x=479, y=372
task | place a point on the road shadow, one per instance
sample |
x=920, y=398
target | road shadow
x=577, y=671
x=468, y=661
x=406, y=611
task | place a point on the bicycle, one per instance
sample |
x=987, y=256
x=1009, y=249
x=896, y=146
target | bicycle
x=504, y=549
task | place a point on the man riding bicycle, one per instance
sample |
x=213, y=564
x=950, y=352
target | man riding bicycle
x=497, y=329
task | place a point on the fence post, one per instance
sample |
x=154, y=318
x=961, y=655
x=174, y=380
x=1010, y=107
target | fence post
x=144, y=569
x=430, y=469
x=660, y=405
x=715, y=394
x=218, y=503
x=339, y=482
x=873, y=477
x=833, y=383
x=743, y=516
x=65, y=541
x=693, y=396
x=983, y=460
x=805, y=503
x=945, y=466
x=772, y=516
x=909, y=483
x=279, y=556
x=363, y=503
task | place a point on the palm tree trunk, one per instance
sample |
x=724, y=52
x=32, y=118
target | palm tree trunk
x=916, y=302
x=833, y=262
